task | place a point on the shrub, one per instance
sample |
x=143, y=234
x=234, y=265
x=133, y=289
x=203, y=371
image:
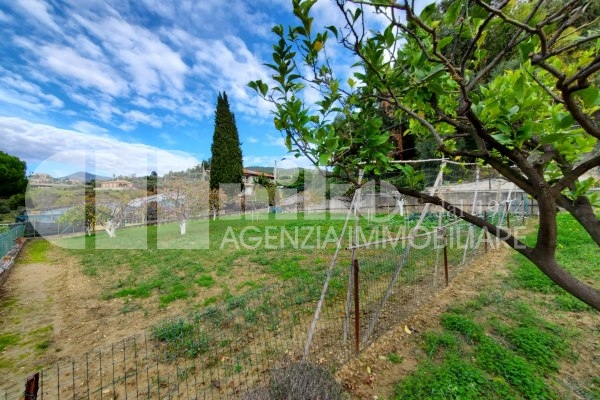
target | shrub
x=299, y=381
x=16, y=200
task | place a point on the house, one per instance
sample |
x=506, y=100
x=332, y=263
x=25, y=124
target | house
x=250, y=178
x=116, y=185
x=40, y=179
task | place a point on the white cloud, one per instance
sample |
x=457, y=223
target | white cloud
x=229, y=65
x=99, y=104
x=90, y=128
x=150, y=65
x=5, y=17
x=37, y=10
x=66, y=62
x=119, y=64
x=275, y=140
x=134, y=117
x=16, y=90
x=38, y=142
x=88, y=48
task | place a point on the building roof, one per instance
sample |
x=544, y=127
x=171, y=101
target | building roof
x=248, y=172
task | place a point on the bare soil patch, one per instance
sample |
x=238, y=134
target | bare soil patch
x=53, y=311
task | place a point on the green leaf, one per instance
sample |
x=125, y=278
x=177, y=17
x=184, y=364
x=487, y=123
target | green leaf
x=566, y=121
x=445, y=41
x=589, y=96
x=453, y=12
x=324, y=159
x=278, y=30
x=525, y=49
x=551, y=138
x=428, y=12
x=526, y=131
x=502, y=139
x=388, y=34
x=333, y=30
x=379, y=139
x=520, y=90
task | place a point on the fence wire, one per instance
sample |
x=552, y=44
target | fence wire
x=8, y=237
x=228, y=351
x=10, y=245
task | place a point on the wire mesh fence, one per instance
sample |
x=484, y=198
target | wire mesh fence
x=42, y=229
x=230, y=350
x=219, y=352
x=8, y=237
x=396, y=261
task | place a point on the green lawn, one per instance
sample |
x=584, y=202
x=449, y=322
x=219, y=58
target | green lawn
x=502, y=344
x=240, y=254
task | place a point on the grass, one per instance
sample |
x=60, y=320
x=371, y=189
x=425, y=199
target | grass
x=394, y=358
x=229, y=280
x=575, y=252
x=8, y=339
x=500, y=345
x=492, y=346
x=36, y=251
x=157, y=262
x=182, y=338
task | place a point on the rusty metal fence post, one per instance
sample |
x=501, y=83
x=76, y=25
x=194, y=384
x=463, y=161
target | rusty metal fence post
x=356, y=308
x=31, y=387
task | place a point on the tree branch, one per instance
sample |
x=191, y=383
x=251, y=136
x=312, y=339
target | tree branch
x=495, y=230
x=570, y=178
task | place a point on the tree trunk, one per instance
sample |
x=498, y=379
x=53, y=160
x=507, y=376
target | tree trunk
x=110, y=228
x=552, y=269
x=544, y=255
x=582, y=211
x=183, y=226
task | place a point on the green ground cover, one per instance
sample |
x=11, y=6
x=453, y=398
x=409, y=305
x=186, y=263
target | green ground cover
x=509, y=342
x=241, y=254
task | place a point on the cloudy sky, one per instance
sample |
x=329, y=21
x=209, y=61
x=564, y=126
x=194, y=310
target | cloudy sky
x=135, y=83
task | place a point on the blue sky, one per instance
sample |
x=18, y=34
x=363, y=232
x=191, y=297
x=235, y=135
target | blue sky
x=135, y=83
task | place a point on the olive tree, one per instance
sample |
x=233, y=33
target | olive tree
x=182, y=199
x=513, y=85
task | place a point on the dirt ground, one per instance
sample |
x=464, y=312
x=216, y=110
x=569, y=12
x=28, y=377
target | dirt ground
x=54, y=311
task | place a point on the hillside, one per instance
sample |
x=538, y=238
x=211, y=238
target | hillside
x=85, y=176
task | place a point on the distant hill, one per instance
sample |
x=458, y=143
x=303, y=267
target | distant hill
x=266, y=170
x=269, y=170
x=85, y=176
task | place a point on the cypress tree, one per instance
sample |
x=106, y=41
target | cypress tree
x=226, y=162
